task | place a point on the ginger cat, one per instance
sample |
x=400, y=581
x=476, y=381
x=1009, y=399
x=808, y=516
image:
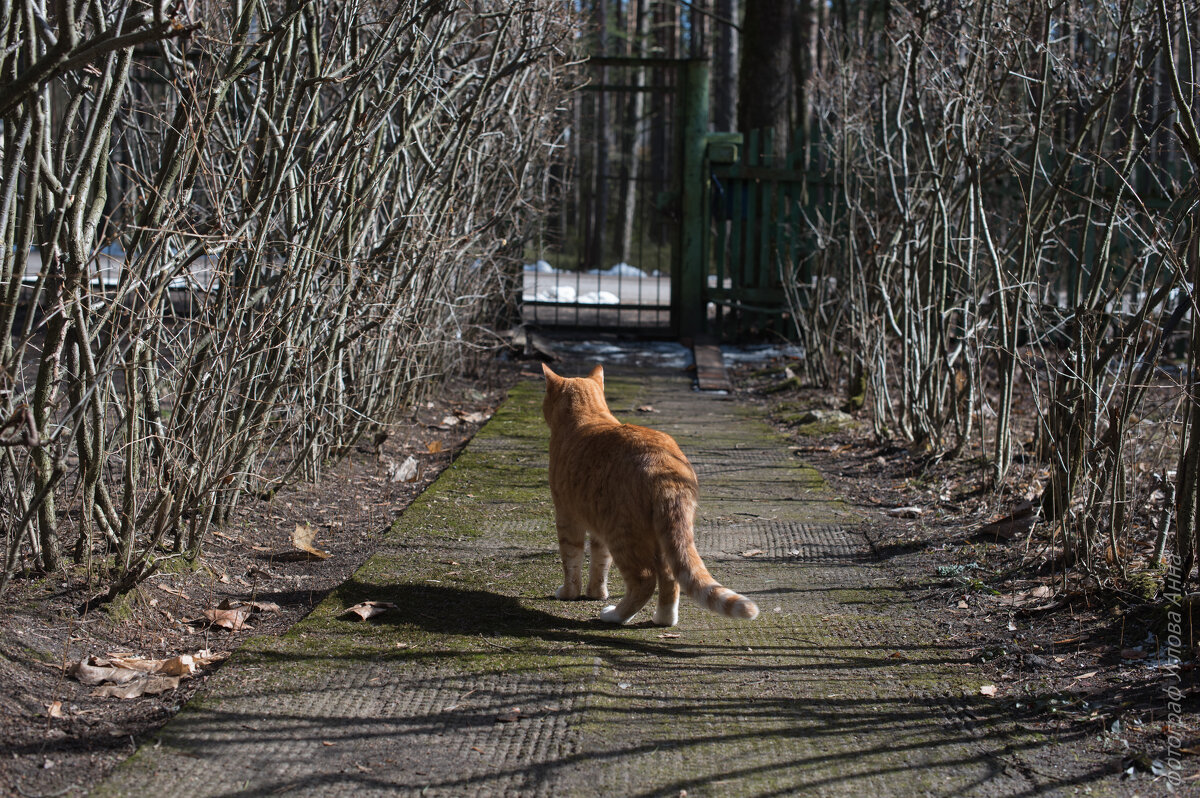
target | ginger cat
x=633, y=491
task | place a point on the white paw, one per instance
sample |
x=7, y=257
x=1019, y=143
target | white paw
x=610, y=615
x=666, y=617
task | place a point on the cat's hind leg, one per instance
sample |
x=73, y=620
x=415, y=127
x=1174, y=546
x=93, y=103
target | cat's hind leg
x=667, y=611
x=600, y=560
x=570, y=548
x=639, y=586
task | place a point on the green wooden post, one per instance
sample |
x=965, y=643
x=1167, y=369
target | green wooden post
x=687, y=289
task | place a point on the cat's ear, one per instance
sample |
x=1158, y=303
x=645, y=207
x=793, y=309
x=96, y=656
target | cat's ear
x=598, y=374
x=551, y=377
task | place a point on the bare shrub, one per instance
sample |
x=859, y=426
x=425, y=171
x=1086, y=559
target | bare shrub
x=1012, y=189
x=234, y=244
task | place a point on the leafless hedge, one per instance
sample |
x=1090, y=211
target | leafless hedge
x=234, y=243
x=1013, y=195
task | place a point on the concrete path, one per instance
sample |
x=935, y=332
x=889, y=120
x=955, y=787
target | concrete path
x=481, y=684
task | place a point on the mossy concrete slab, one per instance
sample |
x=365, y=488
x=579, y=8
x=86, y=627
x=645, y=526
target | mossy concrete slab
x=480, y=683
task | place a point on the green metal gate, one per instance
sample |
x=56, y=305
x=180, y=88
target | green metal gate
x=611, y=257
x=759, y=243
x=724, y=221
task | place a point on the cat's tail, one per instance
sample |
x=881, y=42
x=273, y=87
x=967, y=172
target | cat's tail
x=695, y=580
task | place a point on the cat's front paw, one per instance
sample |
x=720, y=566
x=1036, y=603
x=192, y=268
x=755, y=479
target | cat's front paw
x=565, y=594
x=610, y=615
x=597, y=593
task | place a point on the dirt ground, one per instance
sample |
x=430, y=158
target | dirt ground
x=1095, y=650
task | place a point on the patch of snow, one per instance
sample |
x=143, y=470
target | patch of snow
x=663, y=354
x=760, y=352
x=621, y=270
x=597, y=298
x=554, y=293
x=542, y=267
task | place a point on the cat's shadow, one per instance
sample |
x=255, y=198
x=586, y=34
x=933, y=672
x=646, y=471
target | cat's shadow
x=445, y=609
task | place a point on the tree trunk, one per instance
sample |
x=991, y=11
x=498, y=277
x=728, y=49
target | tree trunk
x=766, y=68
x=725, y=66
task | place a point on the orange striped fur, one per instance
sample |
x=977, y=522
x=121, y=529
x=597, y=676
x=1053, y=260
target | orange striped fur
x=630, y=492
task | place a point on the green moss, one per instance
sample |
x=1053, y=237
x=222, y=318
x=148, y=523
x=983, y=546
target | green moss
x=122, y=607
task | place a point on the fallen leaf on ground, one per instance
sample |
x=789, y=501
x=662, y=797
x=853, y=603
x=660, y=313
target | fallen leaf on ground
x=473, y=418
x=1039, y=596
x=896, y=655
x=988, y=690
x=511, y=716
x=182, y=665
x=173, y=591
x=151, y=685
x=646, y=409
x=98, y=671
x=369, y=609
x=55, y=710
x=233, y=618
x=303, y=538
x=450, y=421
x=403, y=472
x=434, y=447
x=1087, y=675
x=669, y=635
x=906, y=512
x=752, y=553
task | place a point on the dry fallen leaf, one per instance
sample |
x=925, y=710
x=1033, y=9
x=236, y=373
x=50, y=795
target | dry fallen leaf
x=99, y=671
x=403, y=472
x=303, y=538
x=1087, y=675
x=511, y=716
x=752, y=553
x=258, y=606
x=55, y=710
x=434, y=447
x=906, y=512
x=988, y=690
x=473, y=418
x=369, y=609
x=450, y=421
x=646, y=409
x=233, y=618
x=151, y=685
x=669, y=635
